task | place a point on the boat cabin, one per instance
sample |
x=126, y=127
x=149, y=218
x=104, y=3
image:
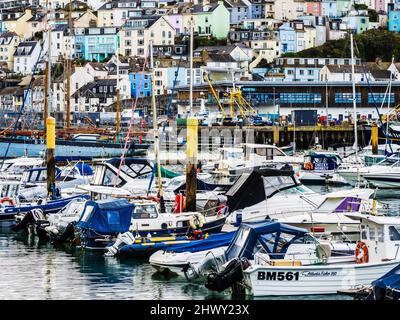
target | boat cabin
x=381, y=234
x=273, y=241
x=85, y=137
x=19, y=165
x=253, y=151
x=321, y=161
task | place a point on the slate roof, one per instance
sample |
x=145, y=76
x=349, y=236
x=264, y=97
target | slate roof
x=25, y=48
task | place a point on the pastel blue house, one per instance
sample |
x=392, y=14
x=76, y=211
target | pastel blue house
x=79, y=42
x=394, y=16
x=287, y=37
x=100, y=43
x=257, y=9
x=140, y=84
x=330, y=8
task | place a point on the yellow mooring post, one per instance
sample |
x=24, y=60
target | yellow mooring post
x=276, y=135
x=374, y=138
x=50, y=152
x=191, y=166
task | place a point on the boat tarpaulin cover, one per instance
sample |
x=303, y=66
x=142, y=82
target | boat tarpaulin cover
x=106, y=216
x=390, y=280
x=84, y=169
x=254, y=187
x=268, y=234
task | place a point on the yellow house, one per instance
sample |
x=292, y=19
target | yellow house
x=17, y=22
x=8, y=42
x=268, y=49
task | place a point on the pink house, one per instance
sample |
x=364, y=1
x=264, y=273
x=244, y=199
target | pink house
x=381, y=5
x=175, y=20
x=315, y=7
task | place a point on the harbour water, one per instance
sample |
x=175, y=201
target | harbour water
x=31, y=270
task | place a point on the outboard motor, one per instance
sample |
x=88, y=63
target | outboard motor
x=232, y=274
x=67, y=234
x=34, y=217
x=126, y=238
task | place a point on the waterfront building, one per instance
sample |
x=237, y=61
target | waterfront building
x=287, y=37
x=394, y=16
x=15, y=21
x=137, y=33
x=238, y=10
x=8, y=42
x=210, y=19
x=140, y=83
x=100, y=43
x=357, y=21
x=26, y=56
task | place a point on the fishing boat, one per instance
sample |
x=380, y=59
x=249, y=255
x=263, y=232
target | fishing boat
x=276, y=238
x=376, y=254
x=145, y=219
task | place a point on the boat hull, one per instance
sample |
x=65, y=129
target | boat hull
x=7, y=216
x=34, y=148
x=90, y=240
x=312, y=280
x=384, y=181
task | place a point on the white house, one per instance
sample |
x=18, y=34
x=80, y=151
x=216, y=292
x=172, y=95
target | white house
x=26, y=56
x=343, y=73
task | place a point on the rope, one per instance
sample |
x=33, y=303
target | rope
x=134, y=104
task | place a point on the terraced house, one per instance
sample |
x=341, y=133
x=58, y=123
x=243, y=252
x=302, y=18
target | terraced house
x=8, y=42
x=136, y=34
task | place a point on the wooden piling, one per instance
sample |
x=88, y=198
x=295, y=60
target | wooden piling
x=50, y=155
x=191, y=166
x=374, y=138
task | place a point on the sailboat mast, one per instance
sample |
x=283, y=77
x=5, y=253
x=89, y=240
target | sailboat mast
x=68, y=91
x=117, y=105
x=156, y=133
x=191, y=67
x=388, y=108
x=354, y=95
x=47, y=77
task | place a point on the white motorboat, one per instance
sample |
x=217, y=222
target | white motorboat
x=237, y=160
x=376, y=254
x=381, y=175
x=278, y=239
x=319, y=168
x=13, y=169
x=255, y=198
x=330, y=217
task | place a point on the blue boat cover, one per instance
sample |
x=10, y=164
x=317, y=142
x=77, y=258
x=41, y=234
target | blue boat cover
x=273, y=236
x=84, y=169
x=108, y=216
x=390, y=280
